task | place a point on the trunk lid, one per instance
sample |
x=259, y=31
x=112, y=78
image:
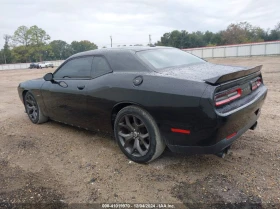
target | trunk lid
x=210, y=73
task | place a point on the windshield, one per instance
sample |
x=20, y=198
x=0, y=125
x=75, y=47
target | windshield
x=164, y=58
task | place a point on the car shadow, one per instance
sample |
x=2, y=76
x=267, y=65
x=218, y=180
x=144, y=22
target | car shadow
x=168, y=159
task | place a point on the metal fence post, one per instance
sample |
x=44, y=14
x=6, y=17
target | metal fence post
x=250, y=50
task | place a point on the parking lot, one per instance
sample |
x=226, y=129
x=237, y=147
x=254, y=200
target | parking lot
x=57, y=163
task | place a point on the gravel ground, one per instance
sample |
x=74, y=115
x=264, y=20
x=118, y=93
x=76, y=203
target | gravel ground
x=54, y=165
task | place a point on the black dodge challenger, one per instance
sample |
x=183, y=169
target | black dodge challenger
x=150, y=97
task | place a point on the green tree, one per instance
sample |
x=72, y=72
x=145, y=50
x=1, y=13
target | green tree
x=237, y=33
x=61, y=50
x=217, y=39
x=212, y=39
x=48, y=53
x=21, y=54
x=31, y=44
x=81, y=46
x=2, y=60
x=175, y=39
x=164, y=40
x=275, y=33
x=6, y=52
x=257, y=34
x=22, y=36
x=22, y=50
x=182, y=39
x=242, y=32
x=38, y=42
x=196, y=39
x=38, y=36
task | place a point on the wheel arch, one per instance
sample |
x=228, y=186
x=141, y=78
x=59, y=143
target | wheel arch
x=120, y=106
x=23, y=94
x=39, y=101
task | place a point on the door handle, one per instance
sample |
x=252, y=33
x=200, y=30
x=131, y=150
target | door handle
x=81, y=87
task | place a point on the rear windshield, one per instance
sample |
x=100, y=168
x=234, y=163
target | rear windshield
x=165, y=58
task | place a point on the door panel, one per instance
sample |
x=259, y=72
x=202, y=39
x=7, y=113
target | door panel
x=65, y=96
x=100, y=104
x=67, y=102
x=99, y=99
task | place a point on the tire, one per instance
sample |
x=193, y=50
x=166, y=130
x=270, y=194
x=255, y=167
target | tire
x=33, y=109
x=137, y=135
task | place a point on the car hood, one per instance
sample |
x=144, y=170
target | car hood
x=208, y=72
x=36, y=80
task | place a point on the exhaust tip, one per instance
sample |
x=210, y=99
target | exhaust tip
x=223, y=153
x=254, y=126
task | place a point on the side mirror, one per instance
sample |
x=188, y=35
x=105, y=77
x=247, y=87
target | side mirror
x=48, y=77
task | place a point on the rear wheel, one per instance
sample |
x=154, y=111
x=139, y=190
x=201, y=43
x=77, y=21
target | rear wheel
x=33, y=110
x=137, y=135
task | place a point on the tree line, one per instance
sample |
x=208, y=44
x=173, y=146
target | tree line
x=239, y=33
x=33, y=45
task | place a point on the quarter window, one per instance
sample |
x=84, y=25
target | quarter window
x=100, y=67
x=76, y=68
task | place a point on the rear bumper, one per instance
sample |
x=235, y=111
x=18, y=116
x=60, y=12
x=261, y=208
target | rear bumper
x=212, y=149
x=214, y=140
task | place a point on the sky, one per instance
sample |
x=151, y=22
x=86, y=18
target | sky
x=131, y=21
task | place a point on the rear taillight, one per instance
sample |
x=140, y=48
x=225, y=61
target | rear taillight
x=228, y=96
x=256, y=83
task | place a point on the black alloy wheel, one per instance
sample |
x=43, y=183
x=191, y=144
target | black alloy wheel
x=137, y=134
x=133, y=135
x=31, y=107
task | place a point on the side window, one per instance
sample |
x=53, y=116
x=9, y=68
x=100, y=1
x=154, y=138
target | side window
x=76, y=68
x=100, y=67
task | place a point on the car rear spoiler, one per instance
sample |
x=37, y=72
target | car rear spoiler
x=232, y=76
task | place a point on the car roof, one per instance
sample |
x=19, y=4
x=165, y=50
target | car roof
x=119, y=49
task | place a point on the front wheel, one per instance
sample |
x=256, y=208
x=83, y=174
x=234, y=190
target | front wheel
x=137, y=135
x=33, y=110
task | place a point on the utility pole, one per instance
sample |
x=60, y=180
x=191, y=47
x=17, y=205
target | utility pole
x=150, y=40
x=111, y=41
